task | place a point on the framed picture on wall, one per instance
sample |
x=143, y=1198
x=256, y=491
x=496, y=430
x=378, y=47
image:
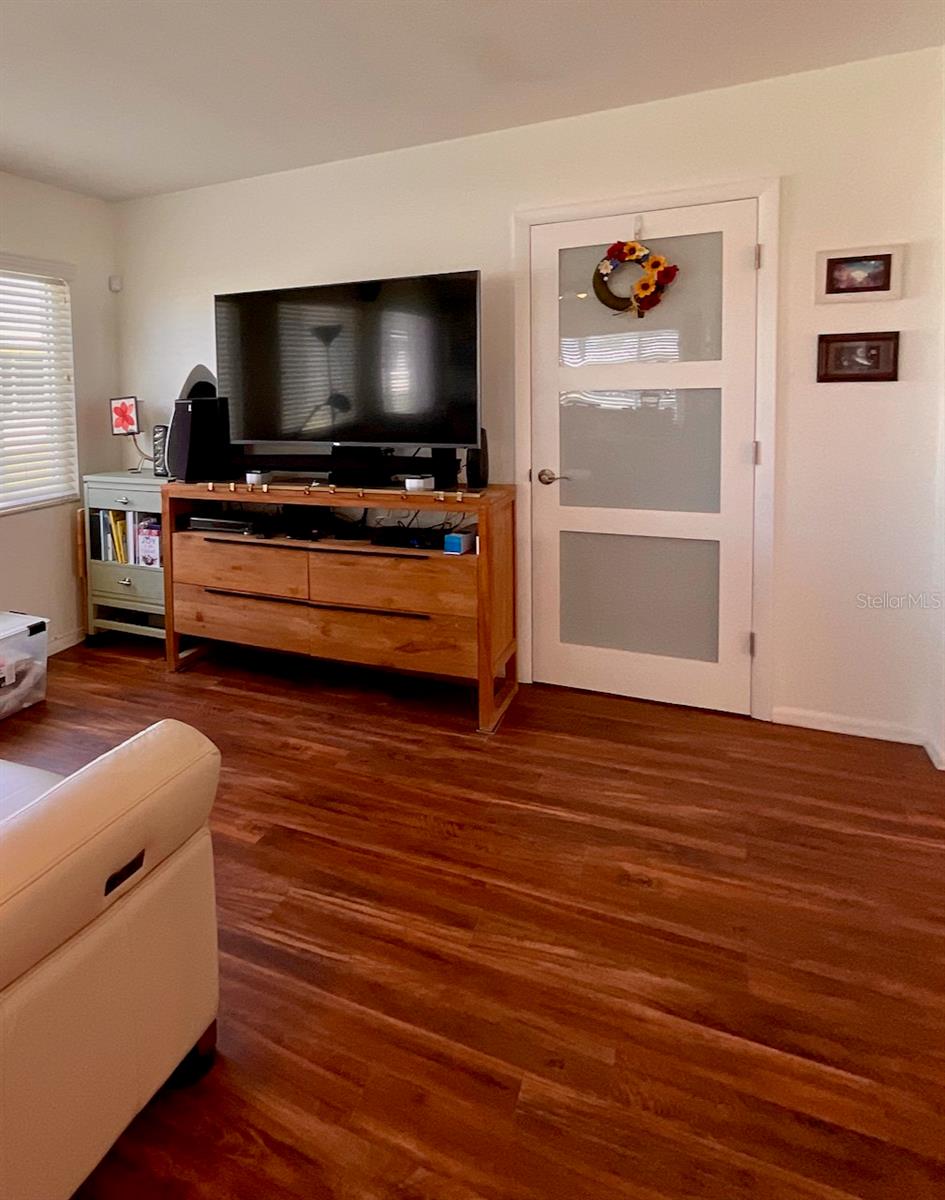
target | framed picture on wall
x=870, y=273
x=857, y=357
x=124, y=415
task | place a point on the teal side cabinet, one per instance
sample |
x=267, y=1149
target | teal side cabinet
x=124, y=567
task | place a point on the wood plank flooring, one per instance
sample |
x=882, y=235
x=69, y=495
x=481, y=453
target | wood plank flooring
x=618, y=951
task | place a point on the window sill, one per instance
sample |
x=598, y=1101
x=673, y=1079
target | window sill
x=72, y=498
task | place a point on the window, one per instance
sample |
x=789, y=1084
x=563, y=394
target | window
x=38, y=463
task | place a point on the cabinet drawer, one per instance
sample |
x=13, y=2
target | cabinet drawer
x=437, y=584
x=439, y=645
x=121, y=582
x=134, y=499
x=272, y=624
x=240, y=566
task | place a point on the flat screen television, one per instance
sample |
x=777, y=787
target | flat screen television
x=385, y=362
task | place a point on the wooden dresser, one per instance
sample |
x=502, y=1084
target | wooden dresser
x=385, y=606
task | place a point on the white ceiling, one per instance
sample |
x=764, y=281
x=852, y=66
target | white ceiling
x=122, y=98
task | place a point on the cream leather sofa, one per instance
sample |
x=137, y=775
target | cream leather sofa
x=108, y=948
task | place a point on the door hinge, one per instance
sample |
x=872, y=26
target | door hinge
x=756, y=453
x=751, y=644
x=758, y=256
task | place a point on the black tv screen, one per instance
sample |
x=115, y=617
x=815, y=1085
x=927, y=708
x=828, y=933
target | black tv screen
x=389, y=362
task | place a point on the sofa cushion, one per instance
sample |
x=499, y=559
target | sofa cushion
x=71, y=851
x=21, y=785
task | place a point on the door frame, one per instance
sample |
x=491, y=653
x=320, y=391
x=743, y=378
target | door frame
x=767, y=193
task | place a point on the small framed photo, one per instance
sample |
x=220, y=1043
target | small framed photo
x=871, y=273
x=857, y=357
x=124, y=415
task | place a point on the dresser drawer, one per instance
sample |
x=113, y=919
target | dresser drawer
x=436, y=584
x=249, y=566
x=134, y=499
x=229, y=617
x=125, y=583
x=438, y=645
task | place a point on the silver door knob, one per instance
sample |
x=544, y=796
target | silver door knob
x=546, y=475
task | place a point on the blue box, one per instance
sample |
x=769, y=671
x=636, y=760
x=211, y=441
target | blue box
x=459, y=543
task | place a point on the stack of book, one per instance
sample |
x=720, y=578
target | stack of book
x=126, y=537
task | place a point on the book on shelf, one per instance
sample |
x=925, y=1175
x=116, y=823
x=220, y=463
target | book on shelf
x=105, y=536
x=96, y=548
x=119, y=542
x=148, y=547
x=131, y=537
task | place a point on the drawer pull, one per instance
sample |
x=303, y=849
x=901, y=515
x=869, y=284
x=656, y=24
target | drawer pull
x=383, y=612
x=123, y=500
x=365, y=554
x=244, y=539
x=126, y=582
x=310, y=547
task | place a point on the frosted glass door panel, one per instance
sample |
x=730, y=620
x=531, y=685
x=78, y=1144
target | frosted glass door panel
x=657, y=450
x=654, y=595
x=685, y=327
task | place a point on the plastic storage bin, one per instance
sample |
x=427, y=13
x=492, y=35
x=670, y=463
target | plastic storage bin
x=22, y=661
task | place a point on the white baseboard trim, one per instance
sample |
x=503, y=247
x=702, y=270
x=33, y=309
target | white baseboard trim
x=886, y=731
x=62, y=641
x=837, y=723
x=936, y=753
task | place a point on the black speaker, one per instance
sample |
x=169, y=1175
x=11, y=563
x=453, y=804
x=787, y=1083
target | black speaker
x=159, y=449
x=198, y=444
x=477, y=464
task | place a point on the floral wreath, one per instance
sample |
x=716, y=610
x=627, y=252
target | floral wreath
x=648, y=290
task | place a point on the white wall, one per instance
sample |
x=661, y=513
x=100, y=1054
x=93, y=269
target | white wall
x=859, y=149
x=37, y=548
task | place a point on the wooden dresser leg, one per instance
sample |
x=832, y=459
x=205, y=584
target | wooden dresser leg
x=492, y=704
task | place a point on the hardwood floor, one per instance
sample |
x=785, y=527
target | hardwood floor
x=618, y=951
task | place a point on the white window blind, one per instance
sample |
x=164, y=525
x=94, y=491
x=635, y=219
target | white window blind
x=38, y=463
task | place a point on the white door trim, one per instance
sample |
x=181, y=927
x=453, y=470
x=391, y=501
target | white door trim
x=767, y=193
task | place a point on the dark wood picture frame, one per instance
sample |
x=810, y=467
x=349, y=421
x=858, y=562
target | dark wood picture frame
x=884, y=284
x=855, y=367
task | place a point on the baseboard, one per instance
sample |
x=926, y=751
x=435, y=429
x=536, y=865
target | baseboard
x=885, y=731
x=62, y=641
x=936, y=753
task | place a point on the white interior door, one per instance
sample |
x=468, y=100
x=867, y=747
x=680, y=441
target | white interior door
x=643, y=543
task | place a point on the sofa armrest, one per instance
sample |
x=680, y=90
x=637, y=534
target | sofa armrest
x=79, y=847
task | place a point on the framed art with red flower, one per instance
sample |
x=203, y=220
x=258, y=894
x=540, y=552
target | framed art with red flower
x=124, y=415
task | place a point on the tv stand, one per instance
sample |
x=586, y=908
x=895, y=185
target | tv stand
x=401, y=608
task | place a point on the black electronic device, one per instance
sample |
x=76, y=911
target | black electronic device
x=221, y=525
x=159, y=449
x=477, y=464
x=408, y=536
x=382, y=363
x=198, y=443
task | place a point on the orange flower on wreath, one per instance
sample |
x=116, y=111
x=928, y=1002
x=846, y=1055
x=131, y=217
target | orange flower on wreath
x=656, y=263
x=634, y=251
